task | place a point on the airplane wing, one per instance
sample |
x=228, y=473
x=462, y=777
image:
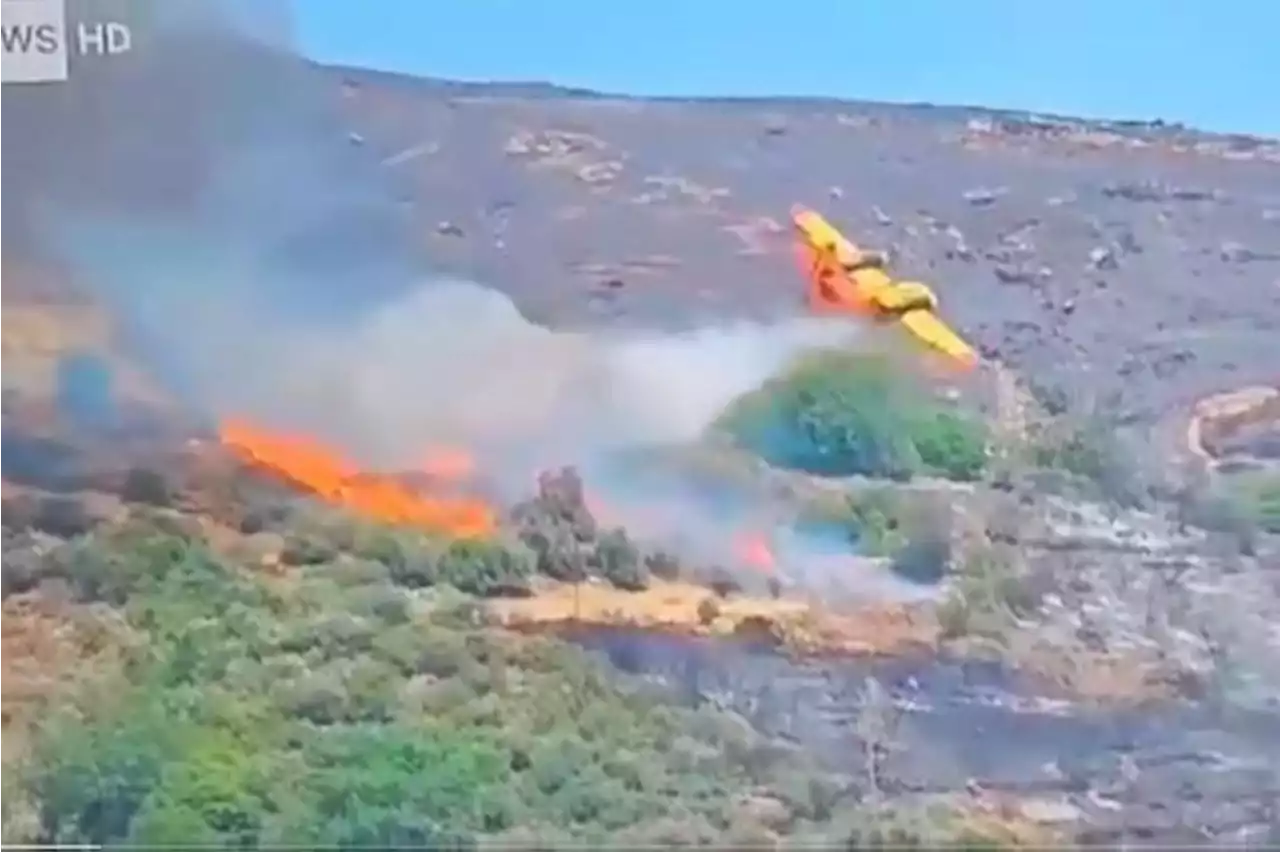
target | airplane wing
x=928, y=328
x=821, y=236
x=839, y=281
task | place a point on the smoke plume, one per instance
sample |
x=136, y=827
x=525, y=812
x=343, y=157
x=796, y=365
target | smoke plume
x=203, y=190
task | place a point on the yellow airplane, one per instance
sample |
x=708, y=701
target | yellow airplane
x=846, y=279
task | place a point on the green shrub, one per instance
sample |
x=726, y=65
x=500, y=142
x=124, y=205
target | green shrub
x=949, y=444
x=218, y=791
x=989, y=595
x=92, y=779
x=842, y=414
x=369, y=776
x=1242, y=506
x=924, y=558
x=621, y=562
x=1260, y=495
x=911, y=528
x=875, y=520
x=487, y=568
x=317, y=710
x=1224, y=511
x=1089, y=448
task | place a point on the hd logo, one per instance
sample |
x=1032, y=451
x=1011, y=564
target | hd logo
x=36, y=40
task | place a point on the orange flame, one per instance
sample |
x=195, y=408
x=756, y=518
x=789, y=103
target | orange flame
x=320, y=470
x=754, y=551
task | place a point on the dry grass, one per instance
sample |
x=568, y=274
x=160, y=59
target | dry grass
x=1216, y=418
x=51, y=651
x=796, y=623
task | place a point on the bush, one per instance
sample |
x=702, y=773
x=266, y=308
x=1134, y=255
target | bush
x=487, y=568
x=142, y=485
x=1220, y=510
x=910, y=527
x=875, y=522
x=844, y=414
x=409, y=557
x=91, y=780
x=217, y=792
x=924, y=558
x=321, y=712
x=303, y=549
x=989, y=595
x=621, y=563
x=369, y=779
x=1260, y=496
x=1090, y=448
x=949, y=444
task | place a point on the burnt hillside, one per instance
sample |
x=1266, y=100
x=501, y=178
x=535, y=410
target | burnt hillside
x=1117, y=257
x=1125, y=257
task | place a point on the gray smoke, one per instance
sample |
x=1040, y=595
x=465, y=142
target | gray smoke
x=203, y=189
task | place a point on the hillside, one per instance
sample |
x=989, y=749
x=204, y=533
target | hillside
x=1090, y=253
x=383, y=467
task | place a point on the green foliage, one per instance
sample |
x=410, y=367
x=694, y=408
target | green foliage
x=1089, y=449
x=990, y=593
x=90, y=780
x=1084, y=450
x=906, y=527
x=842, y=413
x=485, y=568
x=369, y=781
x=1241, y=506
x=1260, y=498
x=1222, y=510
x=876, y=522
x=334, y=715
x=217, y=792
x=949, y=444
x=621, y=562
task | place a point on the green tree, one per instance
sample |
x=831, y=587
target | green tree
x=843, y=413
x=485, y=568
x=91, y=777
x=382, y=785
x=217, y=790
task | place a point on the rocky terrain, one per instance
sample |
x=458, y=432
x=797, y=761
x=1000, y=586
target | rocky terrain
x=1124, y=259
x=1094, y=662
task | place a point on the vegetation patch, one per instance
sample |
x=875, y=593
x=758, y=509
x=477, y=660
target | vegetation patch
x=343, y=708
x=911, y=528
x=1259, y=495
x=1087, y=444
x=839, y=413
x=990, y=593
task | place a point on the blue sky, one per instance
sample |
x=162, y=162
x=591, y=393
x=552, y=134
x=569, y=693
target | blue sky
x=1214, y=64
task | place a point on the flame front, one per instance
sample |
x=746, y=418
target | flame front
x=312, y=466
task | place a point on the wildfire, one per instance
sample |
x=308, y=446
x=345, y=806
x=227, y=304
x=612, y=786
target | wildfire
x=448, y=464
x=312, y=466
x=754, y=552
